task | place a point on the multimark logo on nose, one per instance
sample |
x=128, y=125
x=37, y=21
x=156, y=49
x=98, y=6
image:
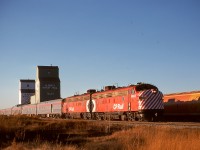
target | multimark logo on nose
x=118, y=106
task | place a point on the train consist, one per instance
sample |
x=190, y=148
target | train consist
x=135, y=102
x=182, y=106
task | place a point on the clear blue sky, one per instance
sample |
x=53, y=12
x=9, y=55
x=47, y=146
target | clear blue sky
x=100, y=42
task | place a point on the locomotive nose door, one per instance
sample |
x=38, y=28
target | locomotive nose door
x=134, y=101
x=129, y=100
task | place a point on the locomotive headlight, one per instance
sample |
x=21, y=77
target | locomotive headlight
x=154, y=91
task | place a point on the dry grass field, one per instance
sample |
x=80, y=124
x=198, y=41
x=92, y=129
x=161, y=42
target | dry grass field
x=24, y=133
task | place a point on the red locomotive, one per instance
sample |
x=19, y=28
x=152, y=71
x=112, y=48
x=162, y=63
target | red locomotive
x=75, y=106
x=134, y=102
x=182, y=106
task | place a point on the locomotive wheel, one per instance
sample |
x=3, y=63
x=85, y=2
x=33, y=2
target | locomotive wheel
x=122, y=117
x=97, y=117
x=89, y=116
x=84, y=116
x=103, y=117
x=129, y=117
x=136, y=119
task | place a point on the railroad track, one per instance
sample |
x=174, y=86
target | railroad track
x=160, y=124
x=138, y=123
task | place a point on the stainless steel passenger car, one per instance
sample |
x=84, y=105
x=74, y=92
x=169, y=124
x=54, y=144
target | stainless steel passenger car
x=30, y=109
x=51, y=108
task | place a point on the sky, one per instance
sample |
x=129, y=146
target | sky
x=100, y=42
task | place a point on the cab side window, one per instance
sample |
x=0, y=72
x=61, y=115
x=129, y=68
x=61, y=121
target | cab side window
x=133, y=91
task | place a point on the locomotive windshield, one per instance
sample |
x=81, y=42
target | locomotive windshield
x=142, y=87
